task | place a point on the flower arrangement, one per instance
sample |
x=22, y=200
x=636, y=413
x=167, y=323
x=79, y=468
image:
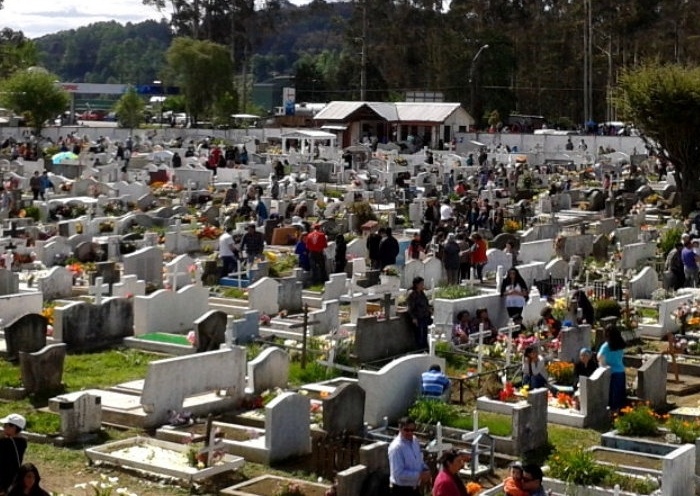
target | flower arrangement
x=473, y=488
x=289, y=489
x=562, y=400
x=637, y=420
x=391, y=270
x=683, y=431
x=208, y=232
x=48, y=312
x=507, y=394
x=561, y=372
x=511, y=226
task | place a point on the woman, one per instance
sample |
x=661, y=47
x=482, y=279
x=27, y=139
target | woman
x=548, y=320
x=515, y=292
x=448, y=482
x=478, y=257
x=483, y=319
x=302, y=252
x=460, y=331
x=419, y=311
x=415, y=248
x=584, y=366
x=27, y=482
x=534, y=370
x=610, y=355
x=341, y=249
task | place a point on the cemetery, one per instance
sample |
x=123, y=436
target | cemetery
x=128, y=342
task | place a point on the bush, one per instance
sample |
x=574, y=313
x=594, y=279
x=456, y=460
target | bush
x=430, y=411
x=363, y=211
x=668, y=239
x=577, y=466
x=685, y=430
x=637, y=420
x=607, y=308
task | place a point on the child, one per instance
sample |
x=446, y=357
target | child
x=513, y=485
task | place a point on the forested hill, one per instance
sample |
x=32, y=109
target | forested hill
x=107, y=52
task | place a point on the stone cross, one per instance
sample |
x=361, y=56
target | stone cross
x=173, y=276
x=387, y=302
x=509, y=330
x=98, y=290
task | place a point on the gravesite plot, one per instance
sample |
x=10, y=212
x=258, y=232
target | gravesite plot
x=126, y=335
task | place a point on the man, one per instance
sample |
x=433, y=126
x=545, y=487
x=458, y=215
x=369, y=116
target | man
x=35, y=185
x=252, y=243
x=446, y=213
x=407, y=470
x=12, y=448
x=674, y=266
x=690, y=264
x=227, y=252
x=316, y=243
x=434, y=383
x=44, y=184
x=388, y=249
x=532, y=480
x=373, y=241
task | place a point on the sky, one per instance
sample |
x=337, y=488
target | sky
x=36, y=18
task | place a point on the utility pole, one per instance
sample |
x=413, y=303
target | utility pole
x=472, y=83
x=363, y=54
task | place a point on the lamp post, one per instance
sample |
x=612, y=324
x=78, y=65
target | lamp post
x=472, y=84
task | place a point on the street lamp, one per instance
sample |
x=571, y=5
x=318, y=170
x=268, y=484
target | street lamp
x=472, y=84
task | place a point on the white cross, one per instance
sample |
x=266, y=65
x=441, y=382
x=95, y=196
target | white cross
x=479, y=365
x=98, y=290
x=509, y=330
x=173, y=275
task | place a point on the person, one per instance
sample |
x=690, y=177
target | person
x=460, y=331
x=418, y=309
x=513, y=484
x=674, y=265
x=407, y=470
x=446, y=213
x=316, y=243
x=514, y=290
x=482, y=318
x=450, y=259
x=388, y=249
x=341, y=249
x=415, y=248
x=434, y=383
x=227, y=252
x=478, y=255
x=448, y=482
x=176, y=160
x=690, y=264
x=548, y=320
x=35, y=185
x=261, y=212
x=302, y=253
x=279, y=170
x=610, y=355
x=534, y=370
x=231, y=195
x=373, y=241
x=580, y=300
x=27, y=482
x=584, y=366
x=44, y=184
x=12, y=449
x=532, y=480
x=252, y=243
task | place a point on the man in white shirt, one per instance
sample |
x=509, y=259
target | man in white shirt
x=227, y=252
x=446, y=213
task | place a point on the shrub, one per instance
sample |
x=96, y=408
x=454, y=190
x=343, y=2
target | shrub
x=686, y=431
x=577, y=466
x=637, y=420
x=668, y=239
x=430, y=411
x=455, y=292
x=607, y=308
x=363, y=211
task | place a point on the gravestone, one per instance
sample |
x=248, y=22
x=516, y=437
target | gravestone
x=178, y=271
x=635, y=253
x=412, y=269
x=502, y=239
x=557, y=269
x=210, y=330
x=572, y=339
x=263, y=295
x=245, y=330
x=498, y=258
x=269, y=370
x=596, y=200
x=644, y=283
x=290, y=294
x=88, y=251
x=594, y=392
x=9, y=282
x=27, y=334
x=129, y=286
x=81, y=415
x=108, y=271
x=652, y=377
x=287, y=427
x=335, y=286
x=344, y=410
x=84, y=326
x=146, y=264
x=432, y=267
x=57, y=283
x=600, y=247
x=42, y=371
x=169, y=311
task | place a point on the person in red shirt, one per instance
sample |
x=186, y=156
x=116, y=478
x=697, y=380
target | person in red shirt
x=478, y=255
x=316, y=243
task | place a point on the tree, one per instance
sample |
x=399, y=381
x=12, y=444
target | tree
x=17, y=51
x=129, y=109
x=34, y=93
x=663, y=102
x=202, y=70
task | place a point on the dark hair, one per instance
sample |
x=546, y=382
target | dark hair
x=416, y=281
x=534, y=470
x=435, y=368
x=449, y=457
x=614, y=338
x=387, y=230
x=19, y=478
x=404, y=421
x=461, y=314
x=529, y=350
x=518, y=280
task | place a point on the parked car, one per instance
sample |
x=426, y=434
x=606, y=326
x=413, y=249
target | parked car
x=93, y=115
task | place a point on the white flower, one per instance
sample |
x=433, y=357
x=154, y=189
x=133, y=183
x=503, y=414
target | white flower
x=122, y=490
x=113, y=480
x=82, y=485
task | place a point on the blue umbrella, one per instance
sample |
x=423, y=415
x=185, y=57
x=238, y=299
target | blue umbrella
x=60, y=157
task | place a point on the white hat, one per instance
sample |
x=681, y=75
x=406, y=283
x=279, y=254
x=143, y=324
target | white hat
x=14, y=419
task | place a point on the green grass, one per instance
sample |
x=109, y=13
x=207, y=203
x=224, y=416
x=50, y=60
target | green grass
x=316, y=288
x=499, y=425
x=237, y=293
x=105, y=369
x=313, y=372
x=162, y=337
x=10, y=375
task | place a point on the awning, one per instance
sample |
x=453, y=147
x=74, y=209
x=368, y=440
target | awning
x=334, y=127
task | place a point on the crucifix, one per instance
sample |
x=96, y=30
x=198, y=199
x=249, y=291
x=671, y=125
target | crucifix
x=305, y=332
x=509, y=330
x=98, y=290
